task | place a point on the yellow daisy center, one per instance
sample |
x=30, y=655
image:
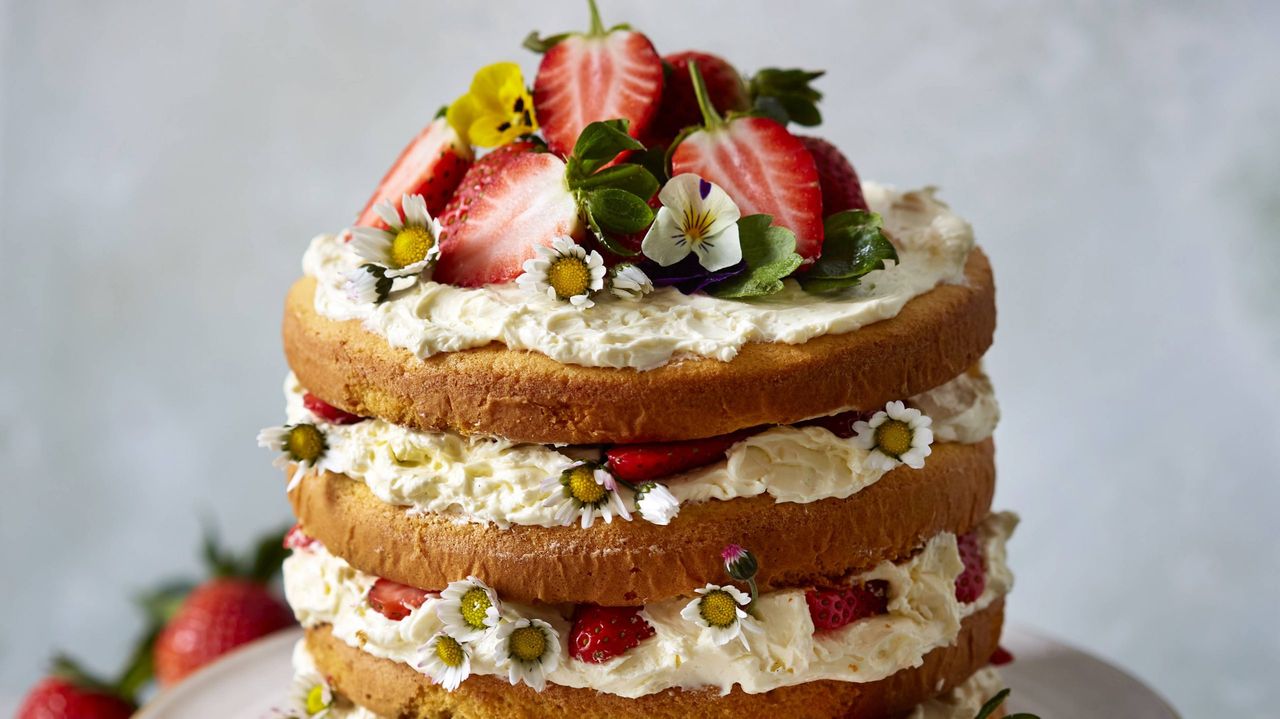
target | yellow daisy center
x=894, y=437
x=583, y=486
x=718, y=608
x=449, y=651
x=411, y=245
x=696, y=224
x=305, y=443
x=315, y=700
x=528, y=643
x=569, y=277
x=475, y=608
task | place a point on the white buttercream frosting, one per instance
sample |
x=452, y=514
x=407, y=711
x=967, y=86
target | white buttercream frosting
x=483, y=479
x=429, y=318
x=923, y=615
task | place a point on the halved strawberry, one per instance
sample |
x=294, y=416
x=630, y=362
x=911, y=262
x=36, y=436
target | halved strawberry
x=326, y=412
x=393, y=600
x=295, y=538
x=598, y=75
x=835, y=608
x=841, y=188
x=602, y=633
x=679, y=108
x=764, y=168
x=510, y=201
x=432, y=166
x=973, y=580
x=841, y=425
x=643, y=462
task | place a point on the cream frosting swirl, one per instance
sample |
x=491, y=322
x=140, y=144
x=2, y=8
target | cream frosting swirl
x=923, y=614
x=429, y=318
x=492, y=480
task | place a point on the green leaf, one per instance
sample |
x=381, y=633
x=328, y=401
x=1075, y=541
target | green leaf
x=992, y=704
x=619, y=211
x=786, y=95
x=535, y=42
x=627, y=177
x=603, y=237
x=770, y=255
x=268, y=556
x=597, y=146
x=654, y=160
x=853, y=245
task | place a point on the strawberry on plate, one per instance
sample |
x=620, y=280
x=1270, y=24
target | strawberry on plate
x=70, y=694
x=679, y=109
x=763, y=167
x=510, y=202
x=598, y=75
x=602, y=633
x=837, y=607
x=644, y=462
x=841, y=188
x=394, y=600
x=432, y=166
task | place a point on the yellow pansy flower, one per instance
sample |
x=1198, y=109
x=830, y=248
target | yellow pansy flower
x=498, y=108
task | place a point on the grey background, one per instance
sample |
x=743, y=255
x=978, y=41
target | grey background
x=164, y=164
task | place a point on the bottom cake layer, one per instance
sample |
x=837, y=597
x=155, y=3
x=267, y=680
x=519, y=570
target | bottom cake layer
x=393, y=689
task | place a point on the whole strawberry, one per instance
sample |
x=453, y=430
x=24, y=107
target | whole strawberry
x=69, y=693
x=679, y=109
x=841, y=188
x=602, y=633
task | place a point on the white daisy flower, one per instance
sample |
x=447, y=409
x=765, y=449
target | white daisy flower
x=302, y=445
x=369, y=283
x=721, y=609
x=895, y=435
x=629, y=282
x=446, y=660
x=403, y=251
x=311, y=697
x=564, y=271
x=469, y=609
x=584, y=490
x=656, y=503
x=528, y=649
x=696, y=216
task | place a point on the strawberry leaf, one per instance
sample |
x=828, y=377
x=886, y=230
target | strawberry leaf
x=770, y=255
x=786, y=95
x=539, y=44
x=619, y=211
x=598, y=145
x=854, y=244
x=628, y=177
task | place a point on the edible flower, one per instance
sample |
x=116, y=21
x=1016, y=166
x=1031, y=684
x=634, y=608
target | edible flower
x=585, y=490
x=696, y=216
x=564, y=271
x=302, y=445
x=446, y=660
x=656, y=503
x=311, y=696
x=895, y=435
x=528, y=649
x=629, y=282
x=496, y=110
x=469, y=609
x=721, y=609
x=402, y=252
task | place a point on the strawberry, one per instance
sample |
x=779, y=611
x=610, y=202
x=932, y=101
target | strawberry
x=643, y=462
x=602, y=633
x=1001, y=657
x=295, y=538
x=326, y=412
x=510, y=201
x=973, y=580
x=598, y=75
x=432, y=166
x=217, y=617
x=764, y=168
x=841, y=189
x=56, y=697
x=679, y=109
x=393, y=600
x=841, y=425
x=835, y=608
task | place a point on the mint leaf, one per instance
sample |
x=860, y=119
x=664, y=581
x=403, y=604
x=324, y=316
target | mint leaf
x=619, y=211
x=597, y=146
x=853, y=245
x=770, y=255
x=786, y=95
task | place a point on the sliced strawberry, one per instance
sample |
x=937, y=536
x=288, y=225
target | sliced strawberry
x=602, y=633
x=643, y=462
x=295, y=538
x=510, y=201
x=393, y=600
x=841, y=425
x=326, y=412
x=764, y=168
x=598, y=75
x=679, y=108
x=973, y=580
x=841, y=188
x=835, y=608
x=432, y=166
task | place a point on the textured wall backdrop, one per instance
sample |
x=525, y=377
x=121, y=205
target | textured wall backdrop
x=165, y=162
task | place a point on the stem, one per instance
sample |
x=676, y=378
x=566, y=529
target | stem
x=710, y=118
x=597, y=27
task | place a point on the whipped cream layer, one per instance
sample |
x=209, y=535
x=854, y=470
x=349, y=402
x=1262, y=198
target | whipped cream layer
x=962, y=702
x=492, y=480
x=923, y=615
x=932, y=242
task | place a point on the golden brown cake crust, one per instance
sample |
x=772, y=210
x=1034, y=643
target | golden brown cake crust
x=392, y=689
x=638, y=562
x=529, y=397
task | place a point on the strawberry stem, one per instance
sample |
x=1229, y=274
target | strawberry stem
x=710, y=118
x=597, y=26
